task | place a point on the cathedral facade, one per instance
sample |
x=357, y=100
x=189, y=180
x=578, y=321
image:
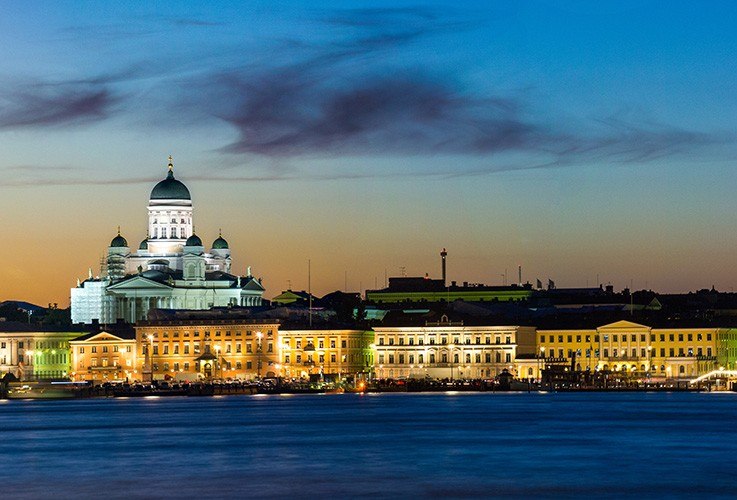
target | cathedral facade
x=170, y=269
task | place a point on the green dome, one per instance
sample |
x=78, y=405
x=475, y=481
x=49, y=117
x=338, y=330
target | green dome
x=193, y=241
x=118, y=242
x=220, y=244
x=170, y=188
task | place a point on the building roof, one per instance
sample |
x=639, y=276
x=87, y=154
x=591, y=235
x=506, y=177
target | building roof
x=170, y=188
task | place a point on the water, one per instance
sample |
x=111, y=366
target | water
x=388, y=445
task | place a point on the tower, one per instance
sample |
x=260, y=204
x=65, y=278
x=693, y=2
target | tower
x=443, y=255
x=169, y=215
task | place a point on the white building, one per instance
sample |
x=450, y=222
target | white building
x=448, y=349
x=170, y=269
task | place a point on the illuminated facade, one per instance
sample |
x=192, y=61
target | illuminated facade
x=103, y=357
x=639, y=349
x=447, y=349
x=35, y=355
x=328, y=352
x=170, y=269
x=208, y=349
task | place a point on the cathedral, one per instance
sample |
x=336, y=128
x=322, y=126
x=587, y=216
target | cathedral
x=170, y=269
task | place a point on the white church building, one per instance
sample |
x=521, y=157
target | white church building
x=170, y=269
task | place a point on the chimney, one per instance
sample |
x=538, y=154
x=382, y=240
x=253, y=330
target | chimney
x=443, y=255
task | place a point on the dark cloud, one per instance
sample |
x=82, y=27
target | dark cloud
x=41, y=105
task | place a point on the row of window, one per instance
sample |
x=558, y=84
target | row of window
x=218, y=333
x=250, y=348
x=320, y=343
x=46, y=344
x=410, y=358
x=444, y=340
x=174, y=221
x=632, y=337
x=185, y=366
x=309, y=358
x=105, y=349
x=105, y=362
x=642, y=353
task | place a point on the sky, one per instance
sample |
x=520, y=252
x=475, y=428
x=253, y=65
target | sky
x=588, y=142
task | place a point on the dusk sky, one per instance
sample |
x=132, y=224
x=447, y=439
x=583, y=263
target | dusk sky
x=574, y=138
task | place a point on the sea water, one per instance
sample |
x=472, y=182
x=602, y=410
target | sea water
x=455, y=445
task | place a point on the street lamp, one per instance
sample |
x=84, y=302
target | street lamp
x=150, y=353
x=649, y=359
x=259, y=336
x=218, y=366
x=540, y=363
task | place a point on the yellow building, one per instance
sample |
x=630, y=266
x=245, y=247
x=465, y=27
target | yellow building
x=328, y=352
x=637, y=349
x=192, y=349
x=448, y=349
x=103, y=357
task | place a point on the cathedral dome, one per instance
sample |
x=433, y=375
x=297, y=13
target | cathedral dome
x=170, y=188
x=220, y=243
x=193, y=241
x=118, y=242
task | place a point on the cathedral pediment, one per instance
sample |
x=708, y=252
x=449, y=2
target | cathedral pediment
x=137, y=282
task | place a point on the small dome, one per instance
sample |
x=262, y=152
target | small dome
x=220, y=243
x=118, y=242
x=193, y=241
x=143, y=245
x=170, y=188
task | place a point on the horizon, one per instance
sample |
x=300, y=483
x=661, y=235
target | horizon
x=590, y=144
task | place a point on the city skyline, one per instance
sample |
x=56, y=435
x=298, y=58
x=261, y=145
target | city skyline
x=576, y=140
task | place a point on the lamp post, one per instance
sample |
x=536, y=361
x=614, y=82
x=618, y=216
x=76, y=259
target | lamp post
x=259, y=336
x=150, y=352
x=541, y=363
x=218, y=366
x=649, y=360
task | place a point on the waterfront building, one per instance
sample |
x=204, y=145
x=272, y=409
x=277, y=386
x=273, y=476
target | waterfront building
x=449, y=349
x=638, y=349
x=418, y=289
x=31, y=353
x=104, y=357
x=169, y=269
x=327, y=352
x=207, y=348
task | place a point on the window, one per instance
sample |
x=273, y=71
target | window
x=249, y=348
x=333, y=358
x=322, y=358
x=93, y=362
x=698, y=336
x=662, y=352
x=488, y=357
x=391, y=359
x=508, y=357
x=606, y=338
x=238, y=348
x=94, y=349
x=238, y=365
x=401, y=359
x=642, y=338
x=411, y=341
x=708, y=336
x=680, y=337
x=332, y=344
x=104, y=348
x=186, y=367
x=270, y=348
x=166, y=348
x=81, y=350
x=342, y=344
x=432, y=358
x=176, y=367
x=127, y=348
x=186, y=348
x=249, y=365
x=286, y=358
x=570, y=338
x=401, y=341
x=615, y=338
x=381, y=341
x=542, y=338
x=499, y=356
x=420, y=358
x=228, y=348
x=176, y=348
x=156, y=349
x=321, y=344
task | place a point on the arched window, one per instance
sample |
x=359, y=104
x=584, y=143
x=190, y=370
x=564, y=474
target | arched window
x=681, y=369
x=529, y=371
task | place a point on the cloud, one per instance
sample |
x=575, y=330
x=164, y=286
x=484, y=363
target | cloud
x=44, y=105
